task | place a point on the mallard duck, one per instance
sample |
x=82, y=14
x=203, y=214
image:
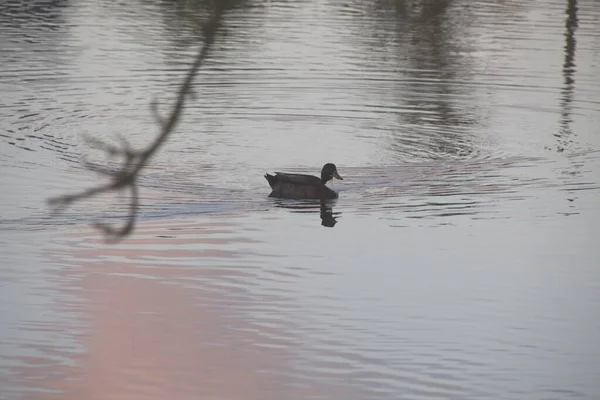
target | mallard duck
x=301, y=186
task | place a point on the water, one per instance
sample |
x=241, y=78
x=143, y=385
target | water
x=460, y=261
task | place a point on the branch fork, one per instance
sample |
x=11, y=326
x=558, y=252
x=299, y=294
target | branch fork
x=135, y=160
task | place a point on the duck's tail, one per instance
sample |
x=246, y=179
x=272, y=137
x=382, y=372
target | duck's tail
x=271, y=179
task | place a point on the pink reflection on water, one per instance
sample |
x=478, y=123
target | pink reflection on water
x=150, y=337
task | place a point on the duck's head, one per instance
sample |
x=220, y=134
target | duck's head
x=329, y=172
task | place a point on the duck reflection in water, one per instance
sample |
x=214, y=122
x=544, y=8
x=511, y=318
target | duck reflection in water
x=328, y=216
x=303, y=187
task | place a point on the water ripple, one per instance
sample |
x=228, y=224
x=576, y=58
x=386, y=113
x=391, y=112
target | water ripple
x=458, y=262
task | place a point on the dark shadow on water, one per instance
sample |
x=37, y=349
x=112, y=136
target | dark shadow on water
x=46, y=12
x=34, y=43
x=325, y=208
x=183, y=21
x=430, y=47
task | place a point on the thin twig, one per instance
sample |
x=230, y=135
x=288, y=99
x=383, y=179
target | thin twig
x=134, y=161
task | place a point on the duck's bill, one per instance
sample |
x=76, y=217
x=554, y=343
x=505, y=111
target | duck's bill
x=336, y=175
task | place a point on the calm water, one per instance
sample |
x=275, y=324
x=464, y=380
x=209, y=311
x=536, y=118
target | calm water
x=460, y=261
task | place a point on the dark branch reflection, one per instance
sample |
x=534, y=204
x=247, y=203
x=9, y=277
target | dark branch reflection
x=564, y=134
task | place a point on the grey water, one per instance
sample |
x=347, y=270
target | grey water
x=461, y=260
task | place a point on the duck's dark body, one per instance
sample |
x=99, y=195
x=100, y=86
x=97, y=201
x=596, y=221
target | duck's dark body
x=300, y=186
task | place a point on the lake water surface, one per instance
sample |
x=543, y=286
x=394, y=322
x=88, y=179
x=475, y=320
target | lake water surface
x=461, y=260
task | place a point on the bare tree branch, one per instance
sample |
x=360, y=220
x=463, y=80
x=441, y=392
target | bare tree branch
x=134, y=161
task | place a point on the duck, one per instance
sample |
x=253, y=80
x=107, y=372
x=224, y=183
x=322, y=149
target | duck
x=301, y=186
